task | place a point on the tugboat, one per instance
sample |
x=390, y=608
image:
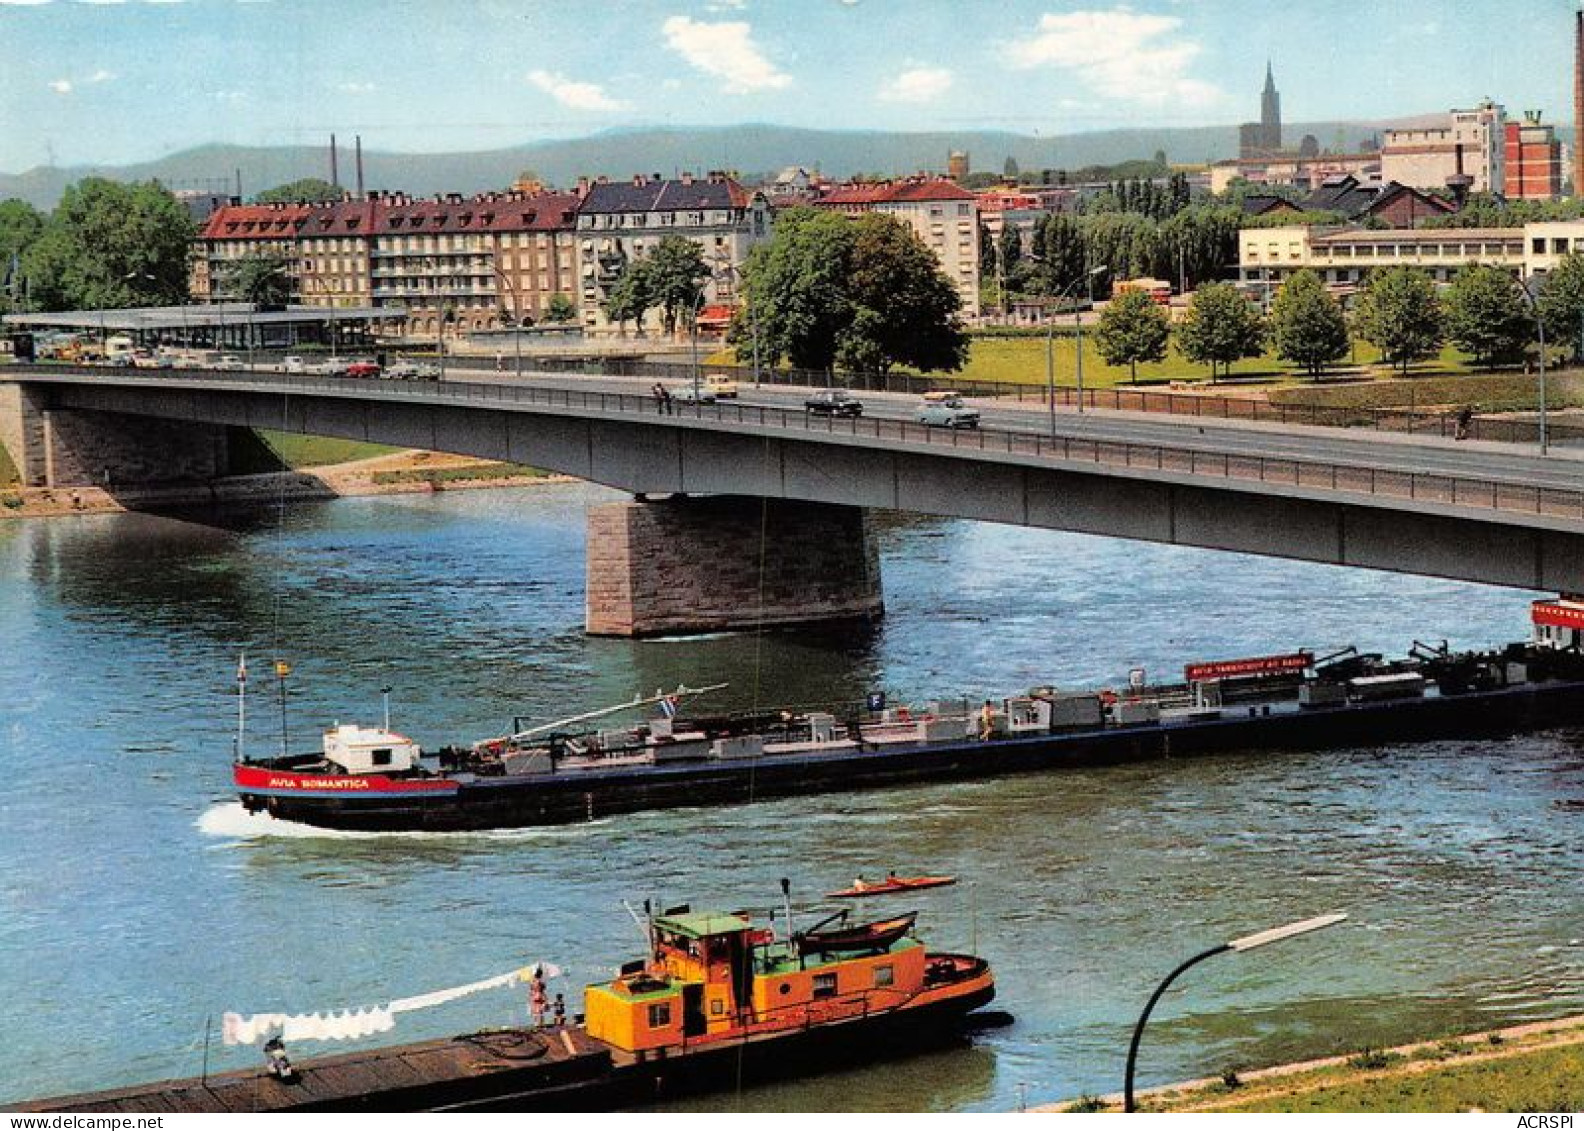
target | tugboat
x=717, y=1000
x=377, y=779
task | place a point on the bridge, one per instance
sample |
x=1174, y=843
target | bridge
x=699, y=538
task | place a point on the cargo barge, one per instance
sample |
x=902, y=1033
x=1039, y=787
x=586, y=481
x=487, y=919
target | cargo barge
x=378, y=780
x=717, y=1001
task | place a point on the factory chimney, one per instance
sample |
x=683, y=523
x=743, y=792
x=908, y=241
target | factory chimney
x=1578, y=102
x=358, y=141
x=335, y=175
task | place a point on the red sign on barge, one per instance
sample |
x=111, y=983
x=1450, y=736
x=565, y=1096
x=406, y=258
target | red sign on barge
x=1295, y=663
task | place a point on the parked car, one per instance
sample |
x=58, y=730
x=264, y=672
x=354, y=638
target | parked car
x=148, y=359
x=293, y=364
x=363, y=368
x=689, y=394
x=947, y=411
x=230, y=361
x=721, y=385
x=331, y=367
x=834, y=402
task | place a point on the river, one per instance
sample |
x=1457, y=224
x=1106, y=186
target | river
x=137, y=901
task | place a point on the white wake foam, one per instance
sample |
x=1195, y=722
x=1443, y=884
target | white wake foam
x=228, y=820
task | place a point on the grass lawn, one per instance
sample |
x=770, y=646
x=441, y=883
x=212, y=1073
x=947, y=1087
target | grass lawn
x=1540, y=1080
x=1020, y=360
x=317, y=451
x=459, y=474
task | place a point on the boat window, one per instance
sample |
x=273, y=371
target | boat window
x=884, y=975
x=660, y=1015
x=717, y=1007
x=382, y=757
x=824, y=985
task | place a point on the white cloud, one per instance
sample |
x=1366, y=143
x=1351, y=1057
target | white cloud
x=100, y=76
x=61, y=86
x=574, y=95
x=356, y=88
x=920, y=84
x=1126, y=56
x=726, y=50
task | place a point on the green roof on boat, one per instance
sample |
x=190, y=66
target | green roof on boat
x=703, y=924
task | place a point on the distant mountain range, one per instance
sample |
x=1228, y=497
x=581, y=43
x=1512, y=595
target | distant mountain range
x=752, y=150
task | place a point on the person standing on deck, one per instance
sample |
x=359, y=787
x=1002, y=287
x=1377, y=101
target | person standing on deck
x=537, y=1000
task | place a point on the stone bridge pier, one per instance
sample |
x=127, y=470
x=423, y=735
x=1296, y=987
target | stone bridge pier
x=687, y=564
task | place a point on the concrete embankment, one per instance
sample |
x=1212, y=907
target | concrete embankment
x=408, y=472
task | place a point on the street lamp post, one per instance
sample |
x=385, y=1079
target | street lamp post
x=516, y=317
x=1247, y=942
x=698, y=304
x=1534, y=309
x=1078, y=332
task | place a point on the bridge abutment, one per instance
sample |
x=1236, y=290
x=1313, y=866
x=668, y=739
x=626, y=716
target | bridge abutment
x=681, y=565
x=68, y=447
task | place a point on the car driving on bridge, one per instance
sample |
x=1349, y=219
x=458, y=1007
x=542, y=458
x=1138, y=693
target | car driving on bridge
x=693, y=394
x=833, y=402
x=946, y=409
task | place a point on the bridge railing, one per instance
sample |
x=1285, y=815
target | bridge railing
x=1454, y=490
x=1118, y=398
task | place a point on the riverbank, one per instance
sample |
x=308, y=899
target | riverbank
x=402, y=472
x=1533, y=1067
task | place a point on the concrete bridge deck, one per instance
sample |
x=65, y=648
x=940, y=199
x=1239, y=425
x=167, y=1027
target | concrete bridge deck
x=1483, y=512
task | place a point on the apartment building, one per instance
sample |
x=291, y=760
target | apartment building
x=619, y=222
x=454, y=264
x=944, y=216
x=243, y=231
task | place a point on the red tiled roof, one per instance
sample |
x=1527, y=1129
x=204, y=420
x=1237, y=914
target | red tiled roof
x=894, y=192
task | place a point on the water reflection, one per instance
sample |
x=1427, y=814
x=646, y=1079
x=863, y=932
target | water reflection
x=136, y=898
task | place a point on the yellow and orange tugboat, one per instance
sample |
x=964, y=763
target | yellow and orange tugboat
x=716, y=1002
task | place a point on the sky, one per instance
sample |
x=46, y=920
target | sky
x=121, y=81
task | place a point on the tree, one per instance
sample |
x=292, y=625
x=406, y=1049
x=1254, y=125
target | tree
x=797, y=286
x=866, y=293
x=263, y=279
x=631, y=297
x=1486, y=317
x=905, y=310
x=20, y=226
x=1220, y=327
x=1132, y=329
x=1399, y=315
x=1061, y=250
x=1307, y=324
x=560, y=308
x=676, y=274
x=109, y=244
x=309, y=190
x=1562, y=303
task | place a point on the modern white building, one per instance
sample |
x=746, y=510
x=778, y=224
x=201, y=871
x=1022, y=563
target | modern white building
x=1344, y=256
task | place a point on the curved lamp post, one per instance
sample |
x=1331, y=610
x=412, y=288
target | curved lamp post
x=1247, y=942
x=516, y=315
